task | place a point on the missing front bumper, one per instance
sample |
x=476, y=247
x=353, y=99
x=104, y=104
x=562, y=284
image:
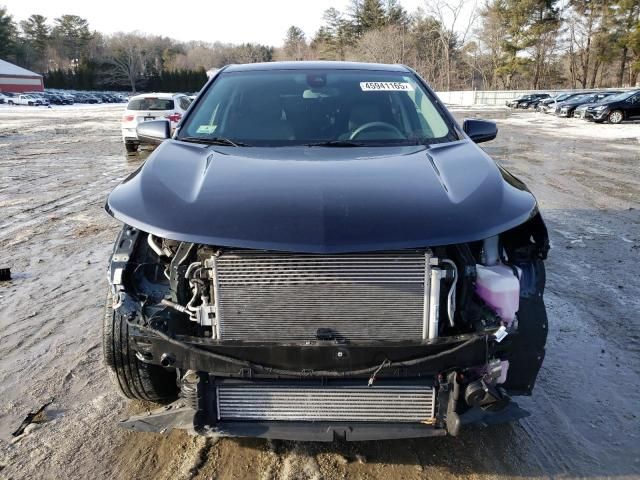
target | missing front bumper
x=318, y=411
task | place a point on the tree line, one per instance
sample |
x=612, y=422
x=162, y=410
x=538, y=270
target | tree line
x=453, y=44
x=70, y=55
x=497, y=44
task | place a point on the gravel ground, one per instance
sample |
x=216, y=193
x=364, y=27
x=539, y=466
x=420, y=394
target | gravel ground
x=58, y=165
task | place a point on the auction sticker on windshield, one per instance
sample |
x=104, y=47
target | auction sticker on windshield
x=386, y=86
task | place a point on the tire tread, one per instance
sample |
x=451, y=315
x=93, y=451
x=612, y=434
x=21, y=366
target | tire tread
x=132, y=378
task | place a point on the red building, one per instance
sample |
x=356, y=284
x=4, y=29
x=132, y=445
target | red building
x=17, y=79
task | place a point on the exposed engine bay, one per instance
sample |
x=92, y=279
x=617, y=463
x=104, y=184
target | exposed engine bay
x=403, y=343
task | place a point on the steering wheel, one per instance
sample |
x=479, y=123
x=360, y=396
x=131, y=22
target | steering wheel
x=372, y=125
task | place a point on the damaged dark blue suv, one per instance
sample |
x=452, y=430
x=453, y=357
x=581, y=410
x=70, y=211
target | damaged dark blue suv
x=320, y=251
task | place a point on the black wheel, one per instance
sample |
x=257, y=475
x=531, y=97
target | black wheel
x=132, y=378
x=131, y=147
x=615, y=117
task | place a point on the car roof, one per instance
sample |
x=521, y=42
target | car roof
x=156, y=95
x=324, y=65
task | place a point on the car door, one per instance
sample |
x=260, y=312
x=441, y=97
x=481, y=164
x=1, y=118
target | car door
x=633, y=110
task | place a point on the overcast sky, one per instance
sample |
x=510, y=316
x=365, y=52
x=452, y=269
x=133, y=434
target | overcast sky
x=234, y=21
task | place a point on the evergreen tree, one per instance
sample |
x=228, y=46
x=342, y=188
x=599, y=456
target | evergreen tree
x=522, y=23
x=367, y=15
x=337, y=35
x=295, y=43
x=396, y=14
x=7, y=34
x=372, y=15
x=72, y=34
x=627, y=29
x=36, y=36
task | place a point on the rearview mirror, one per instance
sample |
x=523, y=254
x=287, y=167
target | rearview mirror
x=154, y=131
x=480, y=130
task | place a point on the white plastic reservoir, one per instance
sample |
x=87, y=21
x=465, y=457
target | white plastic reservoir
x=499, y=287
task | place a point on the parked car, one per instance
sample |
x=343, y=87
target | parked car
x=151, y=106
x=524, y=100
x=552, y=105
x=617, y=108
x=67, y=98
x=531, y=103
x=55, y=99
x=556, y=107
x=309, y=257
x=3, y=98
x=85, y=98
x=546, y=101
x=24, y=99
x=104, y=97
x=39, y=96
x=568, y=107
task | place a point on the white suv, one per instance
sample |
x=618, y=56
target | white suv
x=151, y=106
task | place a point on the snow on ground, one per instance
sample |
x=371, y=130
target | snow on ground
x=18, y=119
x=27, y=110
x=574, y=127
x=554, y=126
x=483, y=108
x=57, y=167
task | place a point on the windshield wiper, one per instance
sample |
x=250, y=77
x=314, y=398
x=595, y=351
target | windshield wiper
x=336, y=143
x=214, y=141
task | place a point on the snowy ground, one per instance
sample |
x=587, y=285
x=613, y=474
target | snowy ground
x=551, y=125
x=56, y=168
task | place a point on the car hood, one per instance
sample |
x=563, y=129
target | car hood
x=587, y=105
x=574, y=102
x=319, y=199
x=603, y=103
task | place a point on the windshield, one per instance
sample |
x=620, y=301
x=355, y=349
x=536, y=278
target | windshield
x=150, y=103
x=307, y=107
x=621, y=96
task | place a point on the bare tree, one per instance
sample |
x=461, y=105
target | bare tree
x=125, y=55
x=455, y=28
x=385, y=45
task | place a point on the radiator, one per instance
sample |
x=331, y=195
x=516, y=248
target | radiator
x=380, y=403
x=284, y=297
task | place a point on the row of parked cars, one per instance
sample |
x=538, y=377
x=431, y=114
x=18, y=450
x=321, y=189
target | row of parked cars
x=60, y=97
x=599, y=106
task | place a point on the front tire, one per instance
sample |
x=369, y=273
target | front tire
x=615, y=117
x=132, y=378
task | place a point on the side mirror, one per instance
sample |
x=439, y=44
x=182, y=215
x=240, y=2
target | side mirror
x=153, y=131
x=480, y=130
